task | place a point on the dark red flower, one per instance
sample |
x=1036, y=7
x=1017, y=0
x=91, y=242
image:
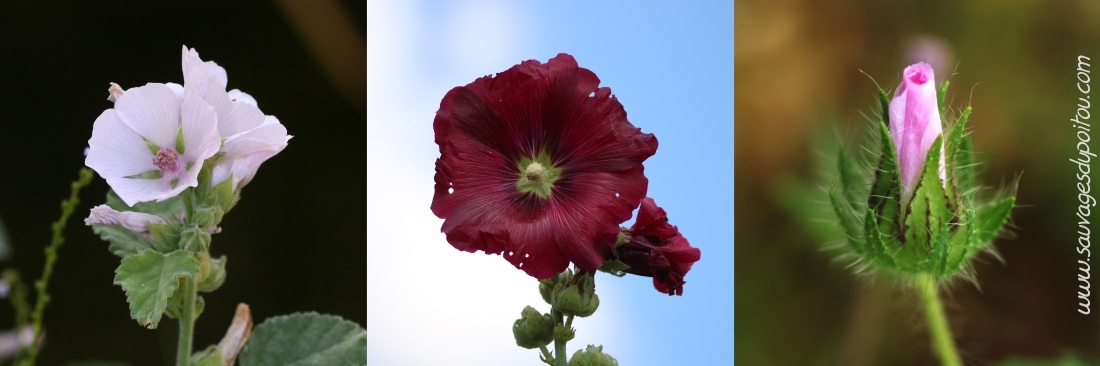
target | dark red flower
x=657, y=249
x=538, y=163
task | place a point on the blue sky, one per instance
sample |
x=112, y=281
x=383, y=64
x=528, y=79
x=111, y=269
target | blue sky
x=671, y=66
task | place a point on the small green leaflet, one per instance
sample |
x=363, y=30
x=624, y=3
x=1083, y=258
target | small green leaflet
x=149, y=278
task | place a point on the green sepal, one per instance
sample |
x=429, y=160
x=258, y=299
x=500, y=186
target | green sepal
x=954, y=141
x=851, y=182
x=614, y=267
x=884, y=101
x=928, y=214
x=216, y=277
x=941, y=249
x=878, y=248
x=941, y=96
x=960, y=248
x=991, y=219
x=149, y=279
x=965, y=170
x=847, y=223
x=211, y=356
x=885, y=195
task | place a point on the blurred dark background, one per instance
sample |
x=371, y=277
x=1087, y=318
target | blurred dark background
x=297, y=240
x=799, y=88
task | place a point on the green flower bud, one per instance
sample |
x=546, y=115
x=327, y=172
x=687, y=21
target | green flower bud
x=592, y=356
x=194, y=239
x=564, y=334
x=577, y=297
x=533, y=330
x=916, y=210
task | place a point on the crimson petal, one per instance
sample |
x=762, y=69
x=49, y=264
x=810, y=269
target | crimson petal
x=485, y=128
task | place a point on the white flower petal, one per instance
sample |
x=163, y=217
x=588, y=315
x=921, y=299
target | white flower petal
x=217, y=72
x=245, y=152
x=233, y=117
x=237, y=95
x=152, y=111
x=200, y=130
x=132, y=190
x=137, y=222
x=178, y=89
x=115, y=150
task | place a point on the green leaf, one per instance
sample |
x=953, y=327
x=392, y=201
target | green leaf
x=149, y=278
x=166, y=209
x=847, y=222
x=97, y=363
x=928, y=214
x=954, y=140
x=991, y=219
x=305, y=339
x=175, y=304
x=124, y=243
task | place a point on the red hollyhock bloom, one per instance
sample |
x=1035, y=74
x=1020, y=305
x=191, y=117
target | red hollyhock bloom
x=538, y=163
x=656, y=249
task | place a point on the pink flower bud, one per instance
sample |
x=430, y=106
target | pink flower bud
x=915, y=124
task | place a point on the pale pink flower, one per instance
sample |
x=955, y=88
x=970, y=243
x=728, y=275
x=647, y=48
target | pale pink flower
x=137, y=222
x=151, y=146
x=249, y=137
x=915, y=124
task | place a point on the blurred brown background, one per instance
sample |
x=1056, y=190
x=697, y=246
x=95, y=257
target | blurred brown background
x=798, y=88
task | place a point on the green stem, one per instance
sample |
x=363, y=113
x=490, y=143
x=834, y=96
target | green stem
x=43, y=298
x=560, y=358
x=187, y=323
x=937, y=321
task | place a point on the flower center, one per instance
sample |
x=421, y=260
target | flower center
x=535, y=172
x=167, y=160
x=537, y=175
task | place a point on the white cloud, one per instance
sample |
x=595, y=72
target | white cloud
x=429, y=304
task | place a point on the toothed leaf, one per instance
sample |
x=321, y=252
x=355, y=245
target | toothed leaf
x=149, y=278
x=991, y=219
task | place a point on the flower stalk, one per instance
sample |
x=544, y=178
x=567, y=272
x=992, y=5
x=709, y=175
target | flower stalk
x=938, y=330
x=560, y=358
x=43, y=298
x=187, y=323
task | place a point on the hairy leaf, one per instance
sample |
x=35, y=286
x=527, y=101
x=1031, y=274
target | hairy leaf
x=306, y=339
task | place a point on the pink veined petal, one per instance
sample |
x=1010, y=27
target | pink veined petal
x=132, y=190
x=200, y=130
x=115, y=150
x=217, y=72
x=152, y=111
x=178, y=89
x=237, y=95
x=245, y=152
x=233, y=117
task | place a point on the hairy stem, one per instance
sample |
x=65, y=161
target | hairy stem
x=187, y=322
x=43, y=298
x=937, y=321
x=560, y=358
